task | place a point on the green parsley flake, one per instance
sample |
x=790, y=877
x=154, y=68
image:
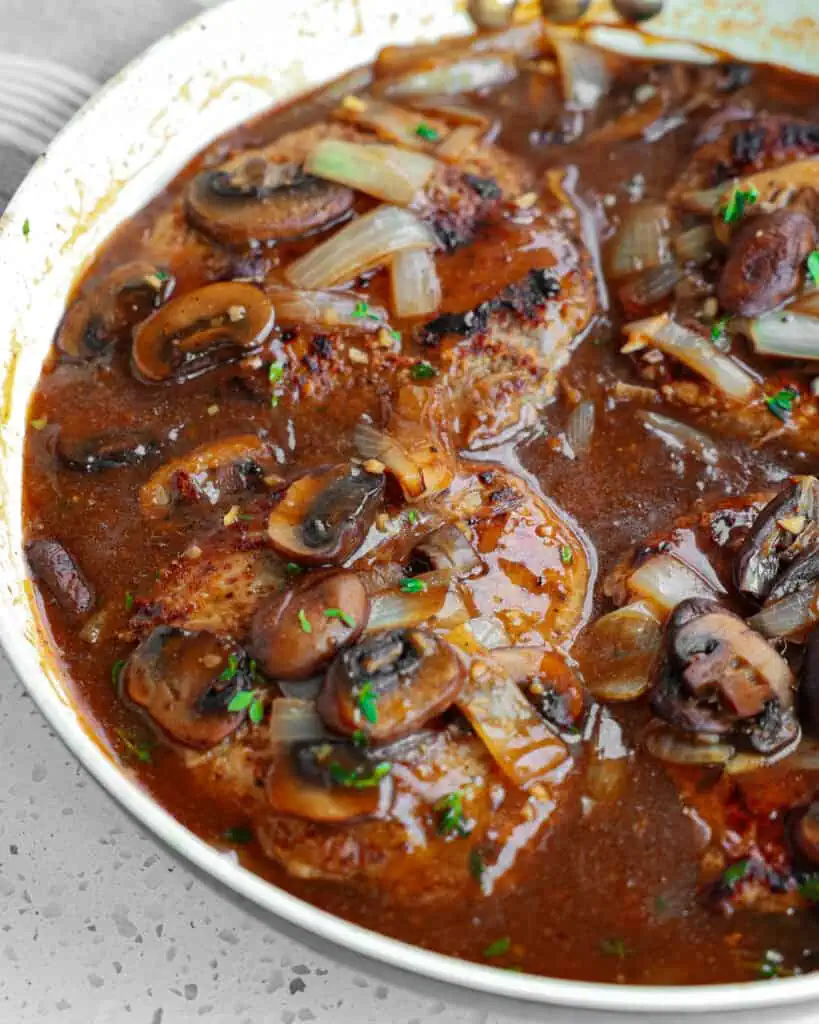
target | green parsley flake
x=140, y=750
x=412, y=586
x=412, y=516
x=427, y=132
x=242, y=700
x=275, y=373
x=737, y=202
x=813, y=266
x=396, y=335
x=451, y=810
x=337, y=613
x=614, y=947
x=230, y=669
x=363, y=312
x=367, y=701
x=129, y=601
x=256, y=712
x=240, y=835
x=735, y=873
x=161, y=275
x=781, y=404
x=500, y=947
x=116, y=668
x=292, y=569
x=26, y=228
x=809, y=888
x=718, y=328
x=304, y=622
x=274, y=401
x=423, y=370
x=360, y=738
x=566, y=556
x=355, y=779
x=771, y=965
x=477, y=864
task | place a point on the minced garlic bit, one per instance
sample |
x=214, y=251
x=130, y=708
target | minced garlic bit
x=539, y=791
x=537, y=688
x=40, y=424
x=211, y=660
x=710, y=307
x=213, y=410
x=793, y=524
x=356, y=355
x=633, y=345
x=193, y=552
x=374, y=466
x=231, y=515
x=387, y=338
x=236, y=313
x=354, y=103
x=645, y=92
x=526, y=201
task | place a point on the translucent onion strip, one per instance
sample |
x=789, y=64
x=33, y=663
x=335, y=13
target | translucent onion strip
x=584, y=72
x=680, y=437
x=416, y=288
x=396, y=609
x=295, y=721
x=386, y=172
x=390, y=122
x=364, y=243
x=481, y=71
x=668, y=745
x=327, y=309
x=697, y=353
x=458, y=142
x=787, y=334
x=666, y=581
x=371, y=443
x=618, y=652
x=641, y=242
x=695, y=245
x=791, y=617
x=580, y=427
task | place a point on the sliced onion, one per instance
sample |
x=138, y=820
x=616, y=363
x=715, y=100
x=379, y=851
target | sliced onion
x=697, y=353
x=786, y=334
x=667, y=744
x=469, y=74
x=295, y=721
x=641, y=242
x=778, y=185
x=416, y=288
x=453, y=113
x=388, y=121
x=304, y=689
x=607, y=768
x=650, y=287
x=454, y=610
x=458, y=142
x=666, y=581
x=387, y=172
x=702, y=200
x=326, y=309
x=680, y=436
x=395, y=609
x=618, y=652
x=479, y=636
x=519, y=663
x=371, y=443
x=515, y=735
x=580, y=427
x=636, y=122
x=790, y=618
x=364, y=243
x=695, y=245
x=584, y=72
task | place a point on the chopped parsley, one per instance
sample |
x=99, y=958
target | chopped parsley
x=412, y=586
x=129, y=601
x=813, y=266
x=292, y=569
x=614, y=947
x=500, y=947
x=367, y=701
x=427, y=132
x=737, y=202
x=422, y=370
x=781, y=404
x=116, y=668
x=355, y=779
x=141, y=750
x=240, y=834
x=161, y=275
x=256, y=712
x=230, y=669
x=477, y=864
x=360, y=738
x=26, y=228
x=412, y=516
x=770, y=966
x=274, y=401
x=718, y=328
x=363, y=312
x=338, y=613
x=451, y=811
x=735, y=873
x=304, y=622
x=250, y=701
x=396, y=335
x=275, y=373
x=809, y=888
x=566, y=556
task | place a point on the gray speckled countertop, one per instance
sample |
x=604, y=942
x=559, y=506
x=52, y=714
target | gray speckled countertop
x=100, y=923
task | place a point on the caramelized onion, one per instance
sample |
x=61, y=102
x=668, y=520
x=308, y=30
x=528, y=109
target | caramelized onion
x=618, y=652
x=371, y=443
x=641, y=242
x=666, y=581
x=650, y=287
x=390, y=122
x=364, y=243
x=389, y=173
x=458, y=142
x=416, y=288
x=326, y=309
x=667, y=744
x=787, y=334
x=397, y=609
x=680, y=436
x=584, y=72
x=467, y=74
x=695, y=245
x=696, y=352
x=295, y=721
x=580, y=427
x=791, y=617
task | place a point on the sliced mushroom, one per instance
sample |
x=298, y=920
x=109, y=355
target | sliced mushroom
x=720, y=678
x=185, y=681
x=218, y=323
x=297, y=633
x=57, y=570
x=774, y=538
x=330, y=781
x=117, y=449
x=448, y=548
x=124, y=298
x=211, y=472
x=252, y=199
x=390, y=684
x=325, y=515
x=491, y=14
x=766, y=262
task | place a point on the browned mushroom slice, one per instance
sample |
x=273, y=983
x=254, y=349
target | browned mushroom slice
x=252, y=199
x=218, y=323
x=328, y=780
x=185, y=682
x=390, y=684
x=116, y=449
x=296, y=633
x=324, y=516
x=57, y=570
x=121, y=300
x=210, y=472
x=448, y=548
